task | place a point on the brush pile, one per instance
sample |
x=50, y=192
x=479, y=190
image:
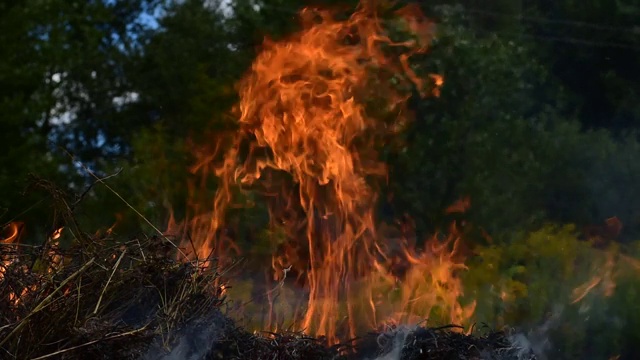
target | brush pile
x=129, y=300
x=80, y=296
x=106, y=300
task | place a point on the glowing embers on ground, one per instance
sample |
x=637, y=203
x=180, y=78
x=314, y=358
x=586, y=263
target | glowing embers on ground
x=307, y=142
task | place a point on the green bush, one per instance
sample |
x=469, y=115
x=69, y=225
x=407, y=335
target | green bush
x=532, y=283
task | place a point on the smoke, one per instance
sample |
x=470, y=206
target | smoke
x=408, y=342
x=537, y=339
x=193, y=341
x=396, y=343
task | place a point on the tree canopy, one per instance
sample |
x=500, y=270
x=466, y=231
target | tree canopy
x=536, y=121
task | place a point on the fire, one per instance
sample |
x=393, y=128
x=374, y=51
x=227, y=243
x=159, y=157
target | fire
x=438, y=81
x=55, y=258
x=307, y=142
x=11, y=236
x=12, y=233
x=57, y=233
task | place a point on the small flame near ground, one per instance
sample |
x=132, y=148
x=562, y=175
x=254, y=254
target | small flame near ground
x=306, y=142
x=11, y=239
x=10, y=236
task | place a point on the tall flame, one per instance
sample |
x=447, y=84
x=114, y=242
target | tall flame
x=307, y=140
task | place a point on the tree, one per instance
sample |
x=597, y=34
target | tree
x=62, y=71
x=594, y=49
x=484, y=137
x=184, y=79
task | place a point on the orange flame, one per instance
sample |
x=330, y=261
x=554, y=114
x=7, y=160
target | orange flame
x=605, y=278
x=54, y=244
x=438, y=81
x=54, y=258
x=12, y=234
x=307, y=141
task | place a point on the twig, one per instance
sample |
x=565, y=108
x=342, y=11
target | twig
x=115, y=267
x=22, y=212
x=132, y=332
x=62, y=206
x=75, y=321
x=86, y=191
x=144, y=258
x=126, y=203
x=46, y=301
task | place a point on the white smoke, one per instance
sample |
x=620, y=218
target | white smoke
x=523, y=346
x=536, y=340
x=192, y=342
x=399, y=336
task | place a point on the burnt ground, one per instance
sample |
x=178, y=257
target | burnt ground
x=394, y=344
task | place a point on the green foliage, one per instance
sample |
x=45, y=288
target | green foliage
x=183, y=104
x=485, y=137
x=531, y=283
x=153, y=184
x=522, y=281
x=187, y=71
x=593, y=54
x=61, y=67
x=496, y=135
x=595, y=177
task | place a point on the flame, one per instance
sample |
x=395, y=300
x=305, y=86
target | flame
x=605, y=277
x=12, y=234
x=438, y=81
x=57, y=233
x=13, y=231
x=54, y=259
x=307, y=142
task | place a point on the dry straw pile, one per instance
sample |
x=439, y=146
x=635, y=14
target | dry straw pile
x=98, y=297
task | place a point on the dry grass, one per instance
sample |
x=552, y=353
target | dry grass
x=106, y=303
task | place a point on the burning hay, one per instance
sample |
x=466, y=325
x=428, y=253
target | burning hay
x=128, y=300
x=109, y=299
